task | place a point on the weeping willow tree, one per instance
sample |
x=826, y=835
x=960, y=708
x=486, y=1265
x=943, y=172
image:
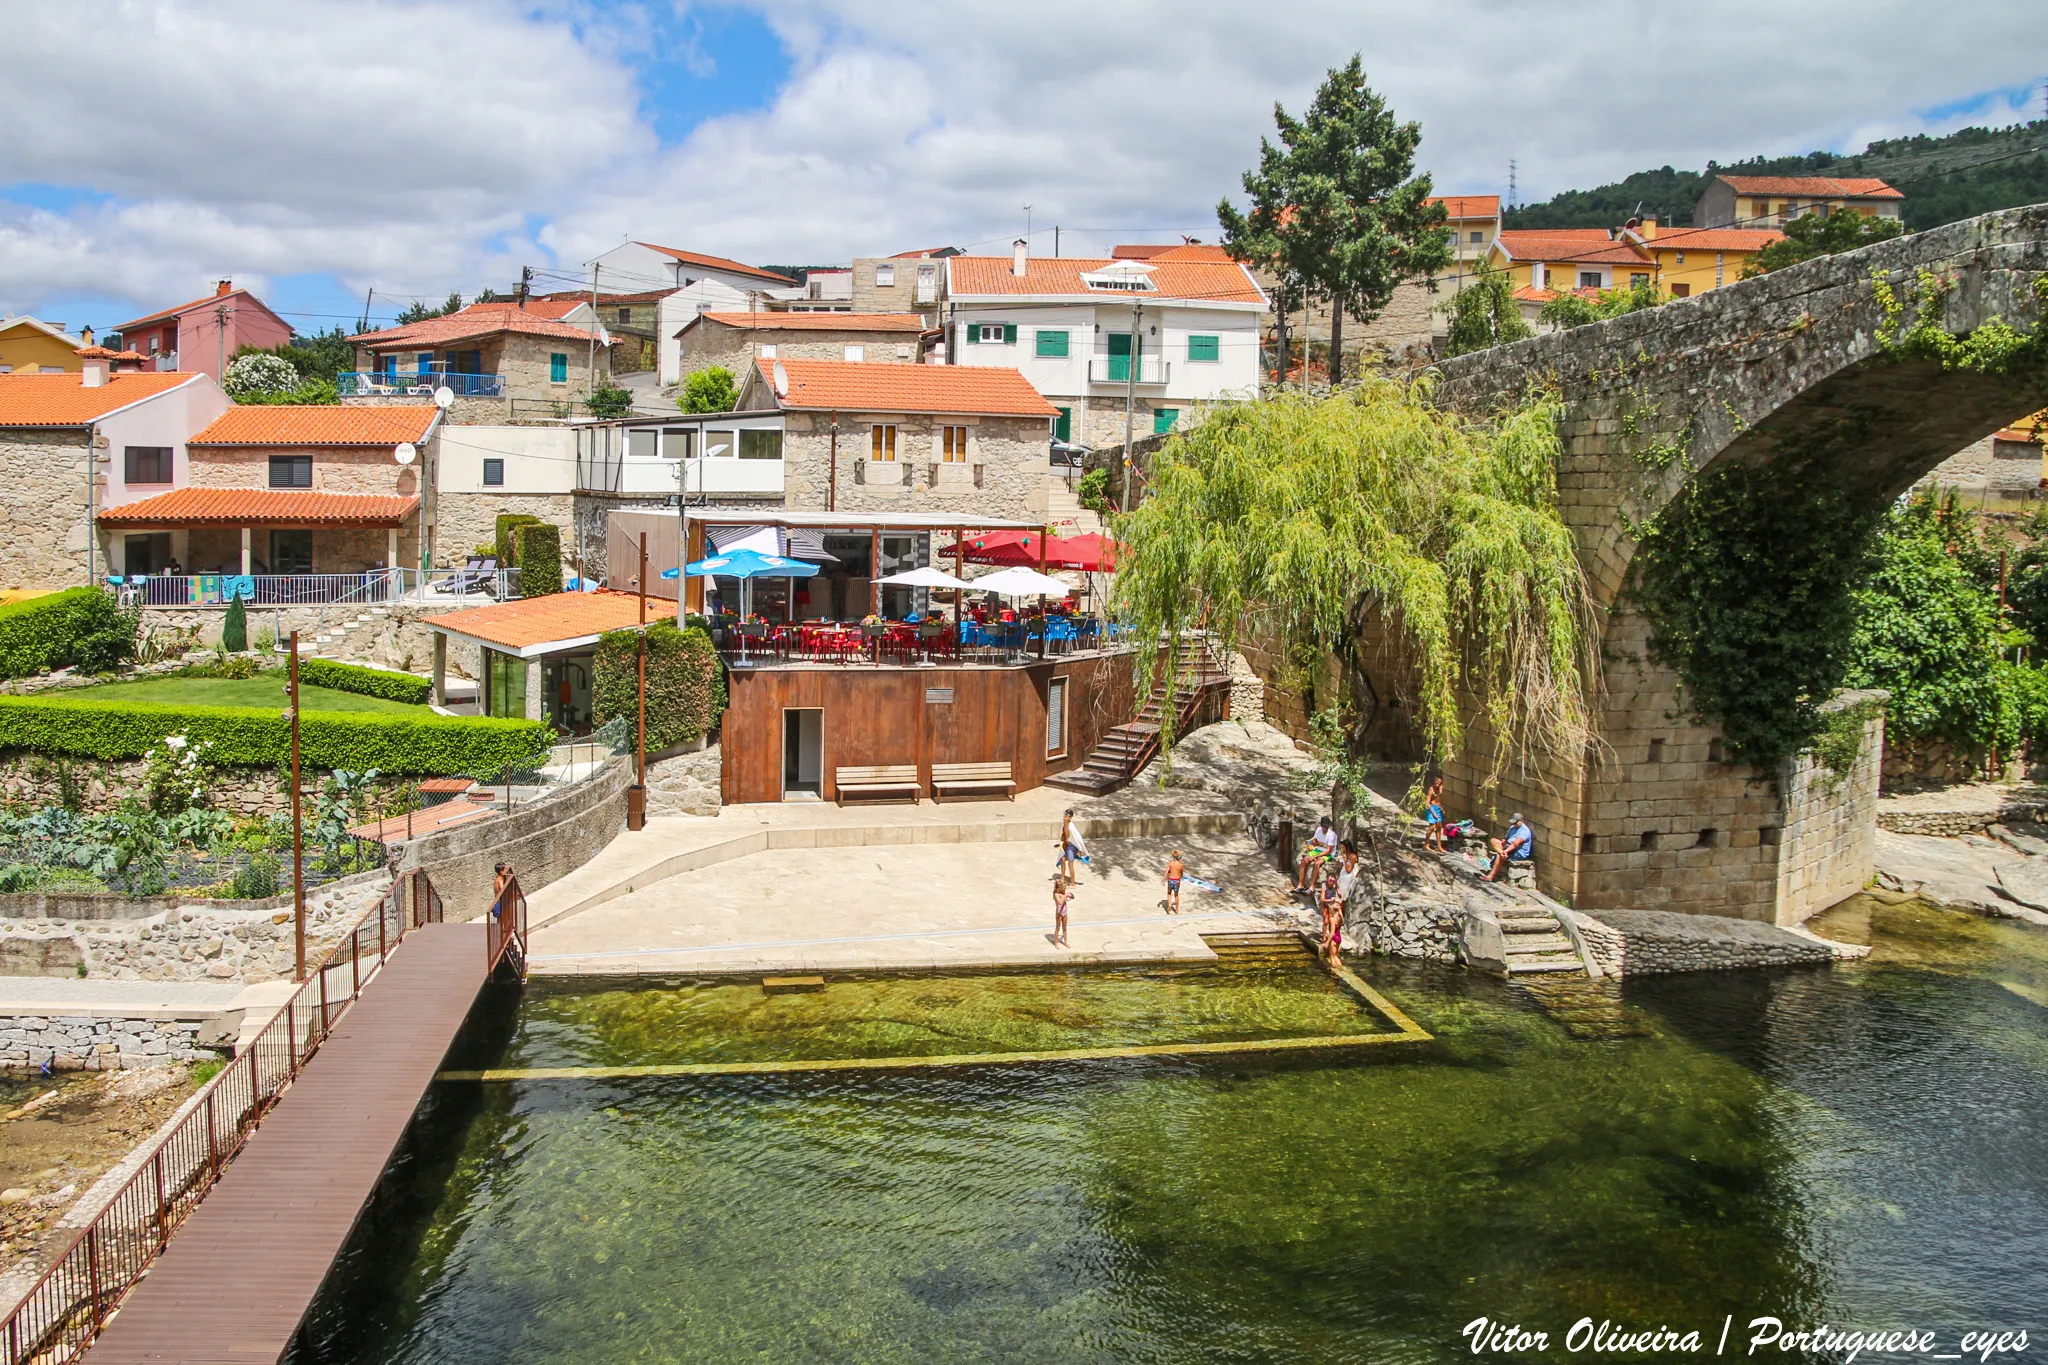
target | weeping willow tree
x=1315, y=516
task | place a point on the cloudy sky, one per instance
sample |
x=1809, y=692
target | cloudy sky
x=317, y=149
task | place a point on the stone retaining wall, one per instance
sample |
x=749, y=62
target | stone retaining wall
x=1953, y=824
x=1658, y=942
x=1401, y=926
x=544, y=841
x=87, y=1043
x=688, y=784
x=208, y=941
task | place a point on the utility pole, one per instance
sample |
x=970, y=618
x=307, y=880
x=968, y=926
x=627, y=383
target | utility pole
x=1055, y=241
x=1511, y=182
x=364, y=325
x=1130, y=403
x=591, y=388
x=636, y=799
x=220, y=341
x=298, y=829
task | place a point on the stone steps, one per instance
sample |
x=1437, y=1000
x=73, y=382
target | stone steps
x=1260, y=948
x=1588, y=1010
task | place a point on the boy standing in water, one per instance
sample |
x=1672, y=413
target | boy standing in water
x=1175, y=870
x=1061, y=894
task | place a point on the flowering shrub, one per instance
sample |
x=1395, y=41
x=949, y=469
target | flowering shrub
x=254, y=374
x=176, y=774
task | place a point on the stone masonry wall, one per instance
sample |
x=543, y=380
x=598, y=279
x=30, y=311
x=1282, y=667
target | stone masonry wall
x=1004, y=476
x=711, y=343
x=688, y=784
x=463, y=521
x=90, y=1043
x=1655, y=943
x=1828, y=846
x=42, y=499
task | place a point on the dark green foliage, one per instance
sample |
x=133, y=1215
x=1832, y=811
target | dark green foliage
x=419, y=310
x=711, y=389
x=508, y=545
x=234, y=626
x=366, y=682
x=1484, y=313
x=1748, y=580
x=610, y=401
x=1812, y=235
x=1573, y=309
x=81, y=627
x=249, y=737
x=540, y=559
x=317, y=358
x=685, y=682
x=1927, y=631
x=256, y=879
x=1666, y=194
x=1094, y=490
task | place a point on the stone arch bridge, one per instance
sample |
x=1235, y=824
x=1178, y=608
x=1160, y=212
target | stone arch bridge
x=1794, y=361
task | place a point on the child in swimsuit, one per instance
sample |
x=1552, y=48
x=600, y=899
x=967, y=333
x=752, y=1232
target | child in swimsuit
x=1061, y=894
x=1433, y=818
x=1175, y=870
x=1333, y=912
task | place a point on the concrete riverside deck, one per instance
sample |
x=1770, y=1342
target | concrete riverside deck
x=808, y=887
x=238, y=1276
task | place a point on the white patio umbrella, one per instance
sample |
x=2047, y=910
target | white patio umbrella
x=1022, y=582
x=924, y=578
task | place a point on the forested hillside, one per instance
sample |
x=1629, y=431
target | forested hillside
x=1972, y=171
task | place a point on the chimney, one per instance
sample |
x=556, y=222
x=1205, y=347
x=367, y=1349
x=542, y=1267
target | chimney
x=223, y=287
x=93, y=369
x=1020, y=254
x=85, y=335
x=1648, y=230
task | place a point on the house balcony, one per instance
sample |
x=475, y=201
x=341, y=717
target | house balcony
x=1153, y=371
x=715, y=476
x=409, y=384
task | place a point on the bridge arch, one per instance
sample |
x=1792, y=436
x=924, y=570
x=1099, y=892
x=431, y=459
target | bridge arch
x=1799, y=366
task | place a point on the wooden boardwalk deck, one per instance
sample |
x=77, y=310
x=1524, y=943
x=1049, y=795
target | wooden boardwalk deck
x=239, y=1275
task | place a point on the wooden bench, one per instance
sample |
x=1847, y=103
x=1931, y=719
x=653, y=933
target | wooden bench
x=900, y=779
x=973, y=777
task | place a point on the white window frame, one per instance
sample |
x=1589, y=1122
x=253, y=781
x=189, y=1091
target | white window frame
x=882, y=448
x=885, y=277
x=768, y=350
x=855, y=354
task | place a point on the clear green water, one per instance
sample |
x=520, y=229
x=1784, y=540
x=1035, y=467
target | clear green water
x=1857, y=1145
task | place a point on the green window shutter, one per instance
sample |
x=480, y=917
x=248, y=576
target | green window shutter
x=1063, y=429
x=558, y=368
x=973, y=333
x=1010, y=333
x=1051, y=343
x=1163, y=420
x=1202, y=348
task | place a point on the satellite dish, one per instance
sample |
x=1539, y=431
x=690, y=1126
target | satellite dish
x=406, y=453
x=781, y=381
x=444, y=397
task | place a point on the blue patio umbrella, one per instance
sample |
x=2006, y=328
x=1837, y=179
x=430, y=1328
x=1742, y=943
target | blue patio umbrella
x=746, y=565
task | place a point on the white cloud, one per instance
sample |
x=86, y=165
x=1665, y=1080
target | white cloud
x=438, y=144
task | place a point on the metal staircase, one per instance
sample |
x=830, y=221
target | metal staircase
x=1201, y=694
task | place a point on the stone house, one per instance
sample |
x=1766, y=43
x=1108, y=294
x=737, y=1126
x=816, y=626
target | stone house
x=690, y=282
x=907, y=438
x=289, y=490
x=1181, y=329
x=502, y=361
x=204, y=335
x=736, y=340
x=914, y=281
x=134, y=425
x=632, y=320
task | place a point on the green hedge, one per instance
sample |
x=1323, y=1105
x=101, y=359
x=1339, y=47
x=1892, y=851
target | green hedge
x=508, y=525
x=79, y=626
x=246, y=736
x=367, y=682
x=685, y=682
x=540, y=559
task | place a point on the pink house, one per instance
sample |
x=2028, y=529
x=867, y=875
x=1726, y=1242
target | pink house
x=204, y=335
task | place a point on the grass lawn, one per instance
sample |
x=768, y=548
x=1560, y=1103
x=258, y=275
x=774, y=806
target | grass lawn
x=265, y=691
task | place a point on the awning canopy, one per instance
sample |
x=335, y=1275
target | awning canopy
x=189, y=507
x=854, y=521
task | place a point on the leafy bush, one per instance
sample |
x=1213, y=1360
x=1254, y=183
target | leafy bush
x=685, y=682
x=540, y=559
x=309, y=392
x=1572, y=309
x=507, y=547
x=260, y=373
x=611, y=401
x=256, y=737
x=711, y=389
x=82, y=627
x=1483, y=314
x=234, y=626
x=365, y=682
x=256, y=879
x=1811, y=235
x=1094, y=490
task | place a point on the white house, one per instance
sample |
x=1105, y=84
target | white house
x=697, y=283
x=1169, y=334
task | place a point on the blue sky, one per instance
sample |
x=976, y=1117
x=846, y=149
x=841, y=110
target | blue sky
x=418, y=146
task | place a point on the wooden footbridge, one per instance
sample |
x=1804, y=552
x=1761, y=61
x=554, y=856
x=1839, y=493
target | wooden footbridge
x=285, y=1145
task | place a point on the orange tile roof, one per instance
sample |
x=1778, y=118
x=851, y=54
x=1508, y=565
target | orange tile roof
x=329, y=425
x=165, y=315
x=819, y=322
x=721, y=263
x=644, y=296
x=2026, y=429
x=479, y=319
x=1817, y=185
x=62, y=400
x=1223, y=281
x=532, y=621
x=261, y=507
x=1713, y=239
x=1137, y=251
x=1468, y=205
x=1589, y=245
x=838, y=385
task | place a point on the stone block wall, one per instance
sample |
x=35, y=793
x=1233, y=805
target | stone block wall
x=1005, y=475
x=1828, y=847
x=544, y=841
x=96, y=1043
x=525, y=364
x=463, y=521
x=1654, y=943
x=42, y=499
x=1403, y=926
x=711, y=343
x=688, y=784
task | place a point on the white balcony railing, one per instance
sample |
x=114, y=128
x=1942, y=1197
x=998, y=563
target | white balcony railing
x=1116, y=369
x=715, y=476
x=372, y=588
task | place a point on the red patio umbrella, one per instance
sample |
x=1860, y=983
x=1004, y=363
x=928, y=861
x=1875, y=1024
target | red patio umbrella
x=1006, y=549
x=1091, y=552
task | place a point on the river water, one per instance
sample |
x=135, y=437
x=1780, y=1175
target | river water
x=1859, y=1145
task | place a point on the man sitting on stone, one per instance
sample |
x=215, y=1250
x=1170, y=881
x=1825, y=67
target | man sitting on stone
x=1518, y=848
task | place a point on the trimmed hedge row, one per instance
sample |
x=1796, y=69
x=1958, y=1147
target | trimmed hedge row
x=77, y=626
x=365, y=682
x=246, y=736
x=685, y=682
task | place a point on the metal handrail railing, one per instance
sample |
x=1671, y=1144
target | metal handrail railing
x=505, y=928
x=66, y=1309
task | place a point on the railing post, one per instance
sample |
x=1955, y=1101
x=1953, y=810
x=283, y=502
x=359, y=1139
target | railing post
x=163, y=1213
x=325, y=1023
x=92, y=1272
x=212, y=1139
x=380, y=929
x=355, y=964
x=291, y=1035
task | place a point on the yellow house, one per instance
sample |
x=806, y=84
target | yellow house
x=1763, y=201
x=1678, y=262
x=1474, y=221
x=31, y=346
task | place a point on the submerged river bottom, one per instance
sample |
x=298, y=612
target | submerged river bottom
x=1858, y=1145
